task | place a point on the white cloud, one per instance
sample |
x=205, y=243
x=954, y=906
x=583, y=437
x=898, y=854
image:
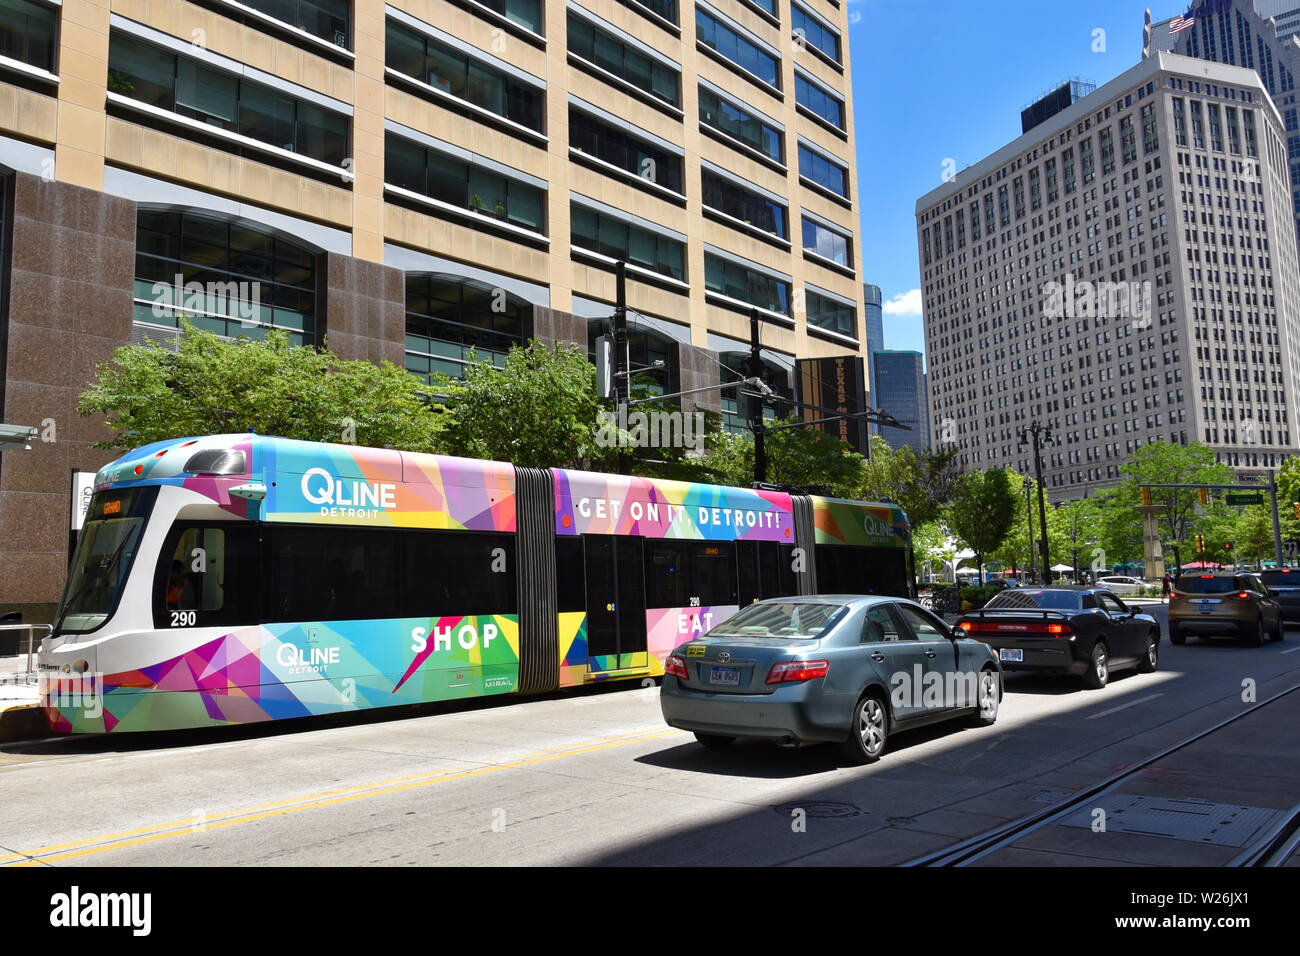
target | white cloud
x=905, y=303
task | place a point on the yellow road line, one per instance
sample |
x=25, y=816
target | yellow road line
x=312, y=801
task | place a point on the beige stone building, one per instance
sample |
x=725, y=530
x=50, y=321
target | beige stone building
x=407, y=181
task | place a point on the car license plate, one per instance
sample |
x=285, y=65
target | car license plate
x=724, y=675
x=1207, y=607
x=1011, y=654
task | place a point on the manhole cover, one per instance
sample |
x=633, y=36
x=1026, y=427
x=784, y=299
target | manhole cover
x=1185, y=818
x=821, y=809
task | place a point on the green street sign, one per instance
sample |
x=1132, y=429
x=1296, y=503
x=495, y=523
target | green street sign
x=1248, y=498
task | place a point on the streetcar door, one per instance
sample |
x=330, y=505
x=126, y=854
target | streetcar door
x=616, y=630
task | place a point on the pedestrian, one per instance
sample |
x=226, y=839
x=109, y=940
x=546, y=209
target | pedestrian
x=1166, y=585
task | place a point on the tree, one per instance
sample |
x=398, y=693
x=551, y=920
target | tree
x=538, y=411
x=1162, y=462
x=802, y=456
x=1081, y=533
x=1253, y=534
x=983, y=510
x=210, y=385
x=932, y=545
x=919, y=483
x=1120, y=530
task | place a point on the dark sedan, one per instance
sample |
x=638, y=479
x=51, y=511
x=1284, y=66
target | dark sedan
x=1284, y=584
x=846, y=669
x=1087, y=632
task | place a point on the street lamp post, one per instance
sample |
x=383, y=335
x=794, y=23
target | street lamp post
x=1038, y=434
x=1029, y=515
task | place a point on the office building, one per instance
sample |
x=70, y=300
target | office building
x=409, y=181
x=1124, y=273
x=901, y=391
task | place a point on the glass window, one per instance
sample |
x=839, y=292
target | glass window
x=630, y=153
x=823, y=172
x=737, y=49
x=105, y=551
x=328, y=19
x=740, y=124
x=809, y=31
x=812, y=97
x=446, y=573
x=27, y=33
x=744, y=204
x=827, y=243
x=828, y=314
x=207, y=577
x=787, y=620
x=664, y=8
x=880, y=625
x=449, y=318
x=747, y=285
x=845, y=569
x=924, y=626
x=611, y=53
x=621, y=240
x=331, y=574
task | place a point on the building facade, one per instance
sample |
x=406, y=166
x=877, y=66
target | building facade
x=1124, y=273
x=901, y=391
x=408, y=181
x=873, y=301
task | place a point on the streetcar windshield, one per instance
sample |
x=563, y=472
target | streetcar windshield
x=105, y=551
x=784, y=620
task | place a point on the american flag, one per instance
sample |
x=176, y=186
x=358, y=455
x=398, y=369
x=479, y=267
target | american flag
x=1179, y=24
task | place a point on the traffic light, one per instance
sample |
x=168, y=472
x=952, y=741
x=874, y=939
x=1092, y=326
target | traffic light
x=1202, y=496
x=1200, y=544
x=1146, y=500
x=1227, y=546
x=1297, y=510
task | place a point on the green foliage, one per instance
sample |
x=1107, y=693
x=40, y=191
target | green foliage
x=1162, y=462
x=920, y=484
x=798, y=456
x=1252, y=534
x=979, y=594
x=538, y=411
x=983, y=510
x=211, y=385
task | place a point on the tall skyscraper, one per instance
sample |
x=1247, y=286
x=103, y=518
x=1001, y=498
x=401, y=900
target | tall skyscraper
x=1124, y=273
x=411, y=182
x=874, y=325
x=1257, y=34
x=902, y=393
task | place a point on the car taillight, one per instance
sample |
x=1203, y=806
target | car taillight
x=787, y=671
x=995, y=627
x=1176, y=594
x=1242, y=595
x=1057, y=630
x=675, y=666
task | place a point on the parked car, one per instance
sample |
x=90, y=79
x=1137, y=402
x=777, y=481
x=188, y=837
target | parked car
x=1284, y=584
x=1224, y=605
x=1122, y=584
x=1087, y=632
x=844, y=669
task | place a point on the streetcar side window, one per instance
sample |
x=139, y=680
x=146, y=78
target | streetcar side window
x=846, y=569
x=713, y=573
x=332, y=574
x=458, y=572
x=668, y=574
x=206, y=577
x=570, y=576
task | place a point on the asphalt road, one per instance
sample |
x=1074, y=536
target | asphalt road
x=597, y=778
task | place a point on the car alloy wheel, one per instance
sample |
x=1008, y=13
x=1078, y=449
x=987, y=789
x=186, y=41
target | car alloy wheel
x=988, y=699
x=870, y=729
x=1259, y=632
x=1098, y=667
x=1152, y=660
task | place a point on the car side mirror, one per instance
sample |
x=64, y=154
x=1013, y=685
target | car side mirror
x=957, y=633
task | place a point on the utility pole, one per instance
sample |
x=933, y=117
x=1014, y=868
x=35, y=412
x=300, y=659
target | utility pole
x=1037, y=433
x=756, y=403
x=1029, y=515
x=622, y=363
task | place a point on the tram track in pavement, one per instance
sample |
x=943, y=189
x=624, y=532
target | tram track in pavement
x=1272, y=846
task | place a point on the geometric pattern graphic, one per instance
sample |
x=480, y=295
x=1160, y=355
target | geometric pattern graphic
x=278, y=671
x=852, y=522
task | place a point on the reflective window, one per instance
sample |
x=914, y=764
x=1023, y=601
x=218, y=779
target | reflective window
x=27, y=32
x=207, y=576
x=879, y=625
x=463, y=185
x=328, y=19
x=827, y=243
x=829, y=314
x=225, y=101
x=664, y=8
x=744, y=204
x=748, y=285
x=610, y=53
x=331, y=574
x=740, y=124
x=449, y=318
x=812, y=97
x=463, y=77
x=526, y=13
x=823, y=172
x=810, y=31
x=631, y=153
x=230, y=277
x=622, y=240
x=737, y=49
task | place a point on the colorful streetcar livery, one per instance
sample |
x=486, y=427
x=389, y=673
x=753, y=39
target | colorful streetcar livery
x=238, y=578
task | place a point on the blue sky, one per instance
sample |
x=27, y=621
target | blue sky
x=940, y=80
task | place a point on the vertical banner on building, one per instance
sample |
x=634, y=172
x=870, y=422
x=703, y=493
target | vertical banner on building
x=835, y=386
x=83, y=486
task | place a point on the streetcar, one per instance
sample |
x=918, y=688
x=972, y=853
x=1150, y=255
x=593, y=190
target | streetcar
x=232, y=579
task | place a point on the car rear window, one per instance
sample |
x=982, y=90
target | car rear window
x=1029, y=598
x=1205, y=585
x=782, y=620
x=1280, y=578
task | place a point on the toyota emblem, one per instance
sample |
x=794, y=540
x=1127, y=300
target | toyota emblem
x=724, y=657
